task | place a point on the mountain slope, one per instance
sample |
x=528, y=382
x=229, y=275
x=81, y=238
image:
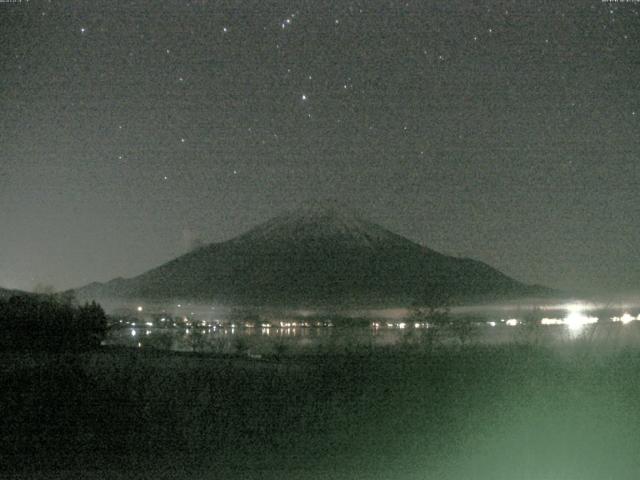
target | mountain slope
x=317, y=255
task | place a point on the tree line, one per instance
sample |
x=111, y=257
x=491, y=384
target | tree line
x=51, y=323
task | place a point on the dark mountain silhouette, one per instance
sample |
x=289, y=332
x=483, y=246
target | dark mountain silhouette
x=317, y=255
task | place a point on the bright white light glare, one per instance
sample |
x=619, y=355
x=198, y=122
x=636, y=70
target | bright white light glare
x=133, y=332
x=491, y=324
x=402, y=325
x=551, y=321
x=626, y=318
x=139, y=308
x=512, y=322
x=576, y=319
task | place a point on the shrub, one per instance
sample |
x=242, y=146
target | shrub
x=432, y=310
x=464, y=329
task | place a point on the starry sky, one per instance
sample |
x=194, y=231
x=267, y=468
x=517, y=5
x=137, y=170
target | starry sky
x=507, y=131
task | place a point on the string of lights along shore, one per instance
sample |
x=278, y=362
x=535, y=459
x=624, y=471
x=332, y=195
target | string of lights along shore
x=502, y=131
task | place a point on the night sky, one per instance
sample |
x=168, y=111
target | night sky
x=504, y=131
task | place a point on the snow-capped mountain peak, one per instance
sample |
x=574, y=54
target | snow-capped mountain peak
x=322, y=221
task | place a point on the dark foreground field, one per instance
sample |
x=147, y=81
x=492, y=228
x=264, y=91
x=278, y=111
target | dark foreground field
x=509, y=412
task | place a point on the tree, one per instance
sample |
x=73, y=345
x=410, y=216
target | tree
x=198, y=340
x=50, y=322
x=464, y=329
x=531, y=328
x=92, y=324
x=431, y=309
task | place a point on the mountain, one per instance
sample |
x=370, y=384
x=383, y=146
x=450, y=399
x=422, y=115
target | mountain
x=317, y=255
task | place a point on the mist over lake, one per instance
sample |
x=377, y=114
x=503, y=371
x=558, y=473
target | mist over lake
x=202, y=328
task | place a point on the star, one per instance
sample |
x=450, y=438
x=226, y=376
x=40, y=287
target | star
x=182, y=140
x=304, y=97
x=82, y=30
